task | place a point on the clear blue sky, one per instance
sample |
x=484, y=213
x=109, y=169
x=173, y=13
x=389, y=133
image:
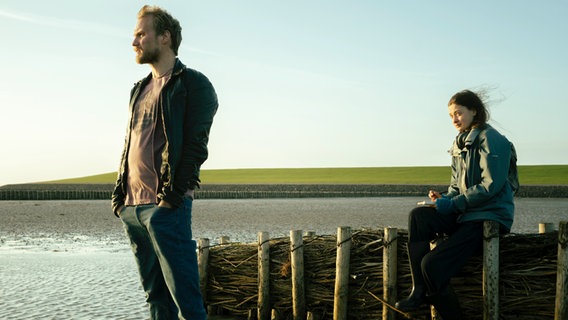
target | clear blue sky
x=300, y=83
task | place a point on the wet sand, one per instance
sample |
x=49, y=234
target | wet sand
x=76, y=223
x=71, y=259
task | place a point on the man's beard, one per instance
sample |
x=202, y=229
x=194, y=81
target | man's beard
x=148, y=56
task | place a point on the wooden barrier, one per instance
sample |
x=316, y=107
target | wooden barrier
x=202, y=263
x=347, y=275
x=263, y=276
x=561, y=303
x=490, y=270
x=342, y=273
x=255, y=191
x=545, y=227
x=297, y=260
x=390, y=273
x=54, y=194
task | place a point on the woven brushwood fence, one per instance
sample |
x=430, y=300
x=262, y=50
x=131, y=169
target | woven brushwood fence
x=527, y=277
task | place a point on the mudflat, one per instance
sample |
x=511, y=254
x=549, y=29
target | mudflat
x=70, y=259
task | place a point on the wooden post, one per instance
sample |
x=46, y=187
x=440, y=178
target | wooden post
x=545, y=227
x=274, y=315
x=561, y=309
x=202, y=263
x=297, y=260
x=263, y=276
x=252, y=314
x=389, y=271
x=341, y=295
x=490, y=270
x=224, y=240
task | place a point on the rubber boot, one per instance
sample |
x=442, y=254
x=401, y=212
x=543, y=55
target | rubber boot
x=447, y=304
x=416, y=251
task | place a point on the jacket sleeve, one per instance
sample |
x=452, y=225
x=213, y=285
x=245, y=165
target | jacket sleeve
x=489, y=176
x=201, y=106
x=453, y=188
x=118, y=195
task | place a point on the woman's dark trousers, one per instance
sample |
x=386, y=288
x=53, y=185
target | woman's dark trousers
x=432, y=270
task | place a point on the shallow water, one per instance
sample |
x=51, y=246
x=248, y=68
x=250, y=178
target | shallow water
x=76, y=285
x=71, y=260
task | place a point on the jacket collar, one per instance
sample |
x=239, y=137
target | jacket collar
x=178, y=67
x=469, y=140
x=473, y=135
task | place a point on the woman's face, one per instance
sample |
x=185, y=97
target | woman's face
x=462, y=117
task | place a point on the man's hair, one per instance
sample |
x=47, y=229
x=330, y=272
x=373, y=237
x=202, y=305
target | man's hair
x=163, y=21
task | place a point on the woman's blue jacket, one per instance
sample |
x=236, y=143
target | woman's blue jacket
x=481, y=186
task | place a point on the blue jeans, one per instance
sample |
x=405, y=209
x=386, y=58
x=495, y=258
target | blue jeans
x=166, y=256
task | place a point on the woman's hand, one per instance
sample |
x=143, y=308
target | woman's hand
x=433, y=195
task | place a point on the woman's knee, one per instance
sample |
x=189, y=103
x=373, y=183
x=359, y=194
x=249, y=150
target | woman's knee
x=419, y=214
x=420, y=224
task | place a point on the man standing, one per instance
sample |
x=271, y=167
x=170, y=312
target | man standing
x=171, y=112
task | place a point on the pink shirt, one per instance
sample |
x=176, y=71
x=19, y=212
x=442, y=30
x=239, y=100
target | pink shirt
x=147, y=140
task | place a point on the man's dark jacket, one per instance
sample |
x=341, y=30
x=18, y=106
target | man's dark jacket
x=188, y=103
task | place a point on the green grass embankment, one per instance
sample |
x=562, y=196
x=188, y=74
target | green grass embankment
x=536, y=181
x=528, y=175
